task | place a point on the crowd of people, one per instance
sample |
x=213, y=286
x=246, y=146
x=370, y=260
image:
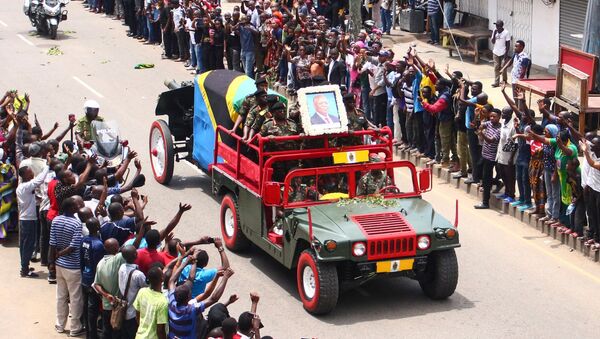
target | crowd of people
x=117, y=275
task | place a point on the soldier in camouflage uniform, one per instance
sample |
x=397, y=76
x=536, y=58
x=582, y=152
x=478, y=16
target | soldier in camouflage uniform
x=279, y=126
x=249, y=103
x=261, y=107
x=357, y=121
x=373, y=181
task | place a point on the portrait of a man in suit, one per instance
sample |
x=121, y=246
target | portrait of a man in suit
x=323, y=113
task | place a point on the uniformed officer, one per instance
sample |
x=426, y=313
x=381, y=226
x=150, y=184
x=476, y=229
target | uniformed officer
x=249, y=103
x=357, y=121
x=280, y=126
x=373, y=181
x=261, y=106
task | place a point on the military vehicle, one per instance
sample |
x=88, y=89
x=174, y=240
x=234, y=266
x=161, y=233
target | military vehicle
x=336, y=218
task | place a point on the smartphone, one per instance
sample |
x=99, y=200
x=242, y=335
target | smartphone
x=71, y=117
x=211, y=240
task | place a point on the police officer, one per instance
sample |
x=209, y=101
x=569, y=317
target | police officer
x=262, y=106
x=83, y=126
x=373, y=181
x=249, y=103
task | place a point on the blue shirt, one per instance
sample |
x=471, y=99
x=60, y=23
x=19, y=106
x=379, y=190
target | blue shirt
x=182, y=319
x=247, y=39
x=120, y=230
x=64, y=233
x=470, y=113
x=418, y=107
x=433, y=7
x=92, y=251
x=203, y=277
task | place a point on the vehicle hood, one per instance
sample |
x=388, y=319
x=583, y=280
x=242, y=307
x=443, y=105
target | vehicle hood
x=334, y=221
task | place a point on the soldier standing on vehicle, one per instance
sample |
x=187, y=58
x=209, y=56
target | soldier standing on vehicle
x=373, y=181
x=83, y=127
x=262, y=106
x=357, y=121
x=249, y=103
x=280, y=126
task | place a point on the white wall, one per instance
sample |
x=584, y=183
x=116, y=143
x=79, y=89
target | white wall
x=545, y=32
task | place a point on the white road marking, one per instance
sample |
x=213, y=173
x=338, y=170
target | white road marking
x=88, y=87
x=3, y=23
x=25, y=39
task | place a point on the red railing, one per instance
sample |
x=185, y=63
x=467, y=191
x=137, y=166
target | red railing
x=245, y=169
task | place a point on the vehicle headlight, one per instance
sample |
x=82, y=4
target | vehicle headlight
x=423, y=242
x=359, y=249
x=450, y=233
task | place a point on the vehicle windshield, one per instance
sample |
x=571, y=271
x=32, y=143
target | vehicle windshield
x=106, y=136
x=320, y=185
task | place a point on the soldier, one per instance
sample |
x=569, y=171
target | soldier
x=249, y=103
x=373, y=181
x=279, y=126
x=357, y=121
x=261, y=106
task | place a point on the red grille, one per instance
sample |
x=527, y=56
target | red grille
x=388, y=235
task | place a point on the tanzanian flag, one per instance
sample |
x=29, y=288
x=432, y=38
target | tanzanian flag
x=218, y=96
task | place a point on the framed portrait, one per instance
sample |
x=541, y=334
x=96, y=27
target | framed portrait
x=322, y=110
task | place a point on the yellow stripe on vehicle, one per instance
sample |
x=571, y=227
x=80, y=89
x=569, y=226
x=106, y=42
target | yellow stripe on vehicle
x=350, y=157
x=230, y=95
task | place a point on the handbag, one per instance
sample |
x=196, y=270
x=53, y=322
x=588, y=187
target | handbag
x=119, y=307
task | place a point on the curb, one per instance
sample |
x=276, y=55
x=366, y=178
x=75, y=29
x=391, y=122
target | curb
x=526, y=217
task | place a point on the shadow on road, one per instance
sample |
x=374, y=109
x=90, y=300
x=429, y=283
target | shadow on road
x=394, y=298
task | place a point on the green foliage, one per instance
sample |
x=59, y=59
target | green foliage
x=373, y=200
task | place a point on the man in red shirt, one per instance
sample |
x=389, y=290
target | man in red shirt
x=149, y=255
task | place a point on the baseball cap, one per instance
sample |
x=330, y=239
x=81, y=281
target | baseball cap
x=384, y=54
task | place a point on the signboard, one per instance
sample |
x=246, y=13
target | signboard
x=572, y=85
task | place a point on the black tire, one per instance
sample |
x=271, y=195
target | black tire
x=441, y=275
x=327, y=286
x=53, y=32
x=234, y=238
x=167, y=157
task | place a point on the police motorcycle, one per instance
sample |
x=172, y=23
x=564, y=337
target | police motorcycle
x=45, y=15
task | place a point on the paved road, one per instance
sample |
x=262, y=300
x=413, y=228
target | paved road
x=513, y=281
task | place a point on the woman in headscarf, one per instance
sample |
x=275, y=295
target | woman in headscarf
x=550, y=179
x=564, y=151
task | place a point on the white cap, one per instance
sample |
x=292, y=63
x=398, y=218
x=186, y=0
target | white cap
x=91, y=104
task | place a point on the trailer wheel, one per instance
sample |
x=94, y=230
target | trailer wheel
x=441, y=275
x=233, y=237
x=318, y=285
x=162, y=156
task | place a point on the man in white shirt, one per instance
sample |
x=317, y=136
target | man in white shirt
x=132, y=280
x=501, y=42
x=28, y=215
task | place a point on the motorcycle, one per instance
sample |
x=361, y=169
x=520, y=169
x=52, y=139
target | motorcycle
x=45, y=15
x=106, y=144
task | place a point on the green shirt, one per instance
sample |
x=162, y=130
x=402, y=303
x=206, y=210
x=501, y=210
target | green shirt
x=107, y=276
x=561, y=167
x=153, y=308
x=83, y=127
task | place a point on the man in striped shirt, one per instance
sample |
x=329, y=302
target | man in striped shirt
x=65, y=241
x=435, y=20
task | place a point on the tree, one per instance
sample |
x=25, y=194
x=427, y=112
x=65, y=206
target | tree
x=355, y=16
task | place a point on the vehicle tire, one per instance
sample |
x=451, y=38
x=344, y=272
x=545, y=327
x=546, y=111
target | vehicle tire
x=441, y=275
x=234, y=238
x=53, y=32
x=162, y=155
x=318, y=285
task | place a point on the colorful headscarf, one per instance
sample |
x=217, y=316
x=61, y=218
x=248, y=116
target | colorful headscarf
x=552, y=129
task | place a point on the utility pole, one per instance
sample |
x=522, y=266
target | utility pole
x=355, y=16
x=591, y=36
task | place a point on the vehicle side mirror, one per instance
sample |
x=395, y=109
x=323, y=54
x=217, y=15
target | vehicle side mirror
x=425, y=180
x=272, y=194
